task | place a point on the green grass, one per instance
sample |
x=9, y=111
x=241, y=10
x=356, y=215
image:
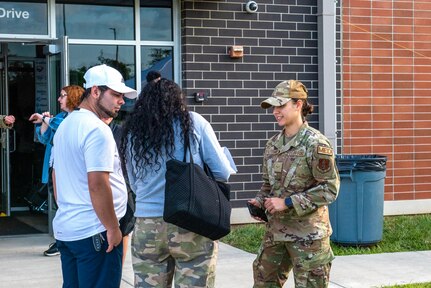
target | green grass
x=245, y=237
x=418, y=285
x=400, y=234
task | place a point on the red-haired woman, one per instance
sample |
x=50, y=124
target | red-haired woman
x=69, y=99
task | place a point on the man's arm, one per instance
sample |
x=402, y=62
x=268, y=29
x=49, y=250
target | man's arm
x=103, y=204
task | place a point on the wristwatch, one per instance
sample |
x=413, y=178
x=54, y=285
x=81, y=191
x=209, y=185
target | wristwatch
x=288, y=202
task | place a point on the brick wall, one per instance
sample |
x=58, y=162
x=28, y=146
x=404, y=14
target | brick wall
x=280, y=43
x=387, y=90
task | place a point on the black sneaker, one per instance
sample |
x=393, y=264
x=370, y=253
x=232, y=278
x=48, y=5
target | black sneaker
x=52, y=250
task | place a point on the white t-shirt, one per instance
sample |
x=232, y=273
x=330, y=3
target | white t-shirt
x=82, y=144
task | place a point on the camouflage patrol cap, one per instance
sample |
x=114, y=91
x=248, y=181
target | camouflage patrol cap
x=285, y=91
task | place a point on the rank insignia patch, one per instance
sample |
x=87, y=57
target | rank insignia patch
x=324, y=150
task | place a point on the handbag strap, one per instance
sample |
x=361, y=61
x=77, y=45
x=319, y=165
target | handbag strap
x=206, y=167
x=187, y=147
x=209, y=172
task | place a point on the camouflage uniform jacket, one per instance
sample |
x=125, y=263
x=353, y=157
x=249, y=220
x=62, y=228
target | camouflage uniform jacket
x=3, y=125
x=304, y=169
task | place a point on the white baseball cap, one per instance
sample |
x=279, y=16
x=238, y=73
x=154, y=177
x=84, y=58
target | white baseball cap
x=103, y=75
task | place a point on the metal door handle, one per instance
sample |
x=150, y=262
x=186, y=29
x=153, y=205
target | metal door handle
x=3, y=139
x=14, y=141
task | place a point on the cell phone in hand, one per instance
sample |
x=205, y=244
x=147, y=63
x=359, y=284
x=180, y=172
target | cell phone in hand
x=257, y=212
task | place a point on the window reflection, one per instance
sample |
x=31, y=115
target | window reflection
x=82, y=57
x=156, y=58
x=114, y=20
x=156, y=20
x=95, y=20
x=20, y=50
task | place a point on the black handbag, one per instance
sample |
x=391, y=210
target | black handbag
x=127, y=222
x=194, y=200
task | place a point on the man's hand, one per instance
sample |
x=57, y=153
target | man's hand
x=114, y=238
x=275, y=204
x=103, y=204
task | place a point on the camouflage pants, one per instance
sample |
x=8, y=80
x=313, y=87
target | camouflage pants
x=310, y=261
x=162, y=252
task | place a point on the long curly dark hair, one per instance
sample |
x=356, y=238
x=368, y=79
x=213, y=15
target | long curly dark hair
x=150, y=125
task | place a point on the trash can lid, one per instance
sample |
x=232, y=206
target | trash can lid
x=361, y=162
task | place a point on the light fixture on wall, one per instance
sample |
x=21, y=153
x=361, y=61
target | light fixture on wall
x=236, y=52
x=251, y=7
x=200, y=96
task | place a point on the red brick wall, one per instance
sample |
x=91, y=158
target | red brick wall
x=386, y=93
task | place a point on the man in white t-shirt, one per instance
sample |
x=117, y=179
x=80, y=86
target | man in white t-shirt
x=90, y=190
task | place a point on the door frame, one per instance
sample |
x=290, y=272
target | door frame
x=57, y=53
x=5, y=133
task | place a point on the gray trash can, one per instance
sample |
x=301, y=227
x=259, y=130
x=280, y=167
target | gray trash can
x=357, y=214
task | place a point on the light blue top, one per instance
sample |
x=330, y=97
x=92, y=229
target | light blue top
x=46, y=139
x=150, y=189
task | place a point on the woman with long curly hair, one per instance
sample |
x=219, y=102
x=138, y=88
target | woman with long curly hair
x=153, y=134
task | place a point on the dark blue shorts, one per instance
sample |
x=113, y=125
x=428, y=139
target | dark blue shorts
x=85, y=263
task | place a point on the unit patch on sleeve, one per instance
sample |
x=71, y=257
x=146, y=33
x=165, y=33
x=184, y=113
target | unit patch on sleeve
x=324, y=150
x=324, y=165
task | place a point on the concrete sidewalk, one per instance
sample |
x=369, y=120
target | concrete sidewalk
x=23, y=265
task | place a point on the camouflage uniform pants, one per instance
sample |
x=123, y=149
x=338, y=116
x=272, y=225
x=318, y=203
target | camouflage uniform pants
x=162, y=252
x=310, y=261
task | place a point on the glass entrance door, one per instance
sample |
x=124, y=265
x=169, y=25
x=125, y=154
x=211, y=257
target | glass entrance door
x=24, y=86
x=31, y=76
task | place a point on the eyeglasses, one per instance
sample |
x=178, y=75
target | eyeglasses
x=63, y=95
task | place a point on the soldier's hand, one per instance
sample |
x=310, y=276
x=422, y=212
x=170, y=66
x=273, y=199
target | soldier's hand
x=256, y=211
x=9, y=120
x=254, y=202
x=275, y=204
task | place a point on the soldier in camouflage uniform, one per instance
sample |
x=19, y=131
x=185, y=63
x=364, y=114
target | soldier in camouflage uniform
x=300, y=179
x=6, y=122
